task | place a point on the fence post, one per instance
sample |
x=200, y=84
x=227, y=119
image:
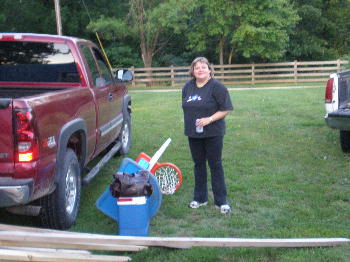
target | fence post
x=338, y=65
x=149, y=75
x=253, y=74
x=172, y=76
x=222, y=73
x=295, y=71
x=133, y=83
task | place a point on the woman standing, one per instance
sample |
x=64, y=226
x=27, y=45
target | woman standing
x=205, y=103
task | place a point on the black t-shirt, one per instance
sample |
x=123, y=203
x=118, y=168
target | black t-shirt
x=204, y=102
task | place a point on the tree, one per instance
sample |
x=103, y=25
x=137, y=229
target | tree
x=337, y=28
x=311, y=27
x=147, y=22
x=254, y=28
x=264, y=28
x=322, y=30
x=169, y=31
x=27, y=16
x=212, y=24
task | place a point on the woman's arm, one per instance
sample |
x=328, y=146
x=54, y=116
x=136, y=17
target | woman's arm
x=208, y=120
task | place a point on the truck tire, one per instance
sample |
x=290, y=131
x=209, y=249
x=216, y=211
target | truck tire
x=59, y=210
x=125, y=135
x=345, y=140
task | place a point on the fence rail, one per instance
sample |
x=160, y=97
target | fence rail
x=287, y=72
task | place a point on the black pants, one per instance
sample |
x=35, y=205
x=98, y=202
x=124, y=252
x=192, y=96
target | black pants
x=203, y=149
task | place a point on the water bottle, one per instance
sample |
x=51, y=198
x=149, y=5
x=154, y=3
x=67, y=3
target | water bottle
x=199, y=129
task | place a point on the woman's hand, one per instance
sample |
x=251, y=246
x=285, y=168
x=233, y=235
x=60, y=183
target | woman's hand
x=204, y=121
x=208, y=120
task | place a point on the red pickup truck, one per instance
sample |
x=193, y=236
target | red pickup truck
x=60, y=107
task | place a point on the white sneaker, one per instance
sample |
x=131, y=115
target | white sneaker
x=224, y=209
x=195, y=204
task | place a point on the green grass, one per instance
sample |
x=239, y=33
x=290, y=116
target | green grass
x=285, y=173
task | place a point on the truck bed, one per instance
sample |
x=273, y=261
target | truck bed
x=19, y=92
x=344, y=89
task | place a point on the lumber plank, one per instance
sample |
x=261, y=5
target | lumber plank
x=75, y=245
x=52, y=250
x=78, y=245
x=6, y=227
x=22, y=255
x=183, y=242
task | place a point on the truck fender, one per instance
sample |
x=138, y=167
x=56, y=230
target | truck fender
x=66, y=132
x=126, y=105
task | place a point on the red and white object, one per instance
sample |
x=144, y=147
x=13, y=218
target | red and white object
x=158, y=154
x=168, y=175
x=123, y=201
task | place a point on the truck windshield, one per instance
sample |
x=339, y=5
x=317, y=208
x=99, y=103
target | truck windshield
x=37, y=62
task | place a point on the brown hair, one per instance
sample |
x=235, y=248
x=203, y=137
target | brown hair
x=203, y=60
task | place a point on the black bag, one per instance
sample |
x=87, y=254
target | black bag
x=131, y=185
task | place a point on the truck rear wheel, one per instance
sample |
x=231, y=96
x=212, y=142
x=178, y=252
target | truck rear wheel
x=345, y=140
x=125, y=135
x=60, y=209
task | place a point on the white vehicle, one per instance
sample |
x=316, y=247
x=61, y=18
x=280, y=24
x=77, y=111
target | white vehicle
x=337, y=100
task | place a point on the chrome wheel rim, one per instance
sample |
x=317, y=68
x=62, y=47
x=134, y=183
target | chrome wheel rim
x=125, y=136
x=71, y=189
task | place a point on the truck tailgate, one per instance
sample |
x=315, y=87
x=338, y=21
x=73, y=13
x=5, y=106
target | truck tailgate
x=6, y=137
x=339, y=119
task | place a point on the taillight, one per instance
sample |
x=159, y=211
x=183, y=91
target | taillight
x=10, y=37
x=26, y=142
x=329, y=91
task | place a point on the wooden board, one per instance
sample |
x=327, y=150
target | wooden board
x=24, y=255
x=82, y=245
x=179, y=242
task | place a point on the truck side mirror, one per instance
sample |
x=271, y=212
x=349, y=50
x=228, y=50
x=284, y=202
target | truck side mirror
x=123, y=75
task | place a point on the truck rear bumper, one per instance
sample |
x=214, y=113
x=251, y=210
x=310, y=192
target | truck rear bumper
x=14, y=192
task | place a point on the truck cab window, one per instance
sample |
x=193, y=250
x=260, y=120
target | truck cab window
x=104, y=70
x=37, y=62
x=95, y=75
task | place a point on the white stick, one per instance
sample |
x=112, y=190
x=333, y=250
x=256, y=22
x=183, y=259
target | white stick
x=158, y=154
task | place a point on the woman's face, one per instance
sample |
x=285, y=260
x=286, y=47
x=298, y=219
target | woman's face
x=201, y=71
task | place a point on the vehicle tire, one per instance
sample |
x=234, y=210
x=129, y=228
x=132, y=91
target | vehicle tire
x=345, y=140
x=59, y=210
x=125, y=136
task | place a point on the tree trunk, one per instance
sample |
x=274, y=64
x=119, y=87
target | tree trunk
x=230, y=57
x=147, y=57
x=137, y=10
x=221, y=50
x=147, y=61
x=221, y=55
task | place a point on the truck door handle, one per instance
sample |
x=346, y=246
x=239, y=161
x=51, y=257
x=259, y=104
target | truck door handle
x=110, y=97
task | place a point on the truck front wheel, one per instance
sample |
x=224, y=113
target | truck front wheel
x=345, y=140
x=59, y=210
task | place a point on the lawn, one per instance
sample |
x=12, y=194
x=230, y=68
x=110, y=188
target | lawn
x=285, y=173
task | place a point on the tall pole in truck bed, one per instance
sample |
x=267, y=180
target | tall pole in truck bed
x=58, y=17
